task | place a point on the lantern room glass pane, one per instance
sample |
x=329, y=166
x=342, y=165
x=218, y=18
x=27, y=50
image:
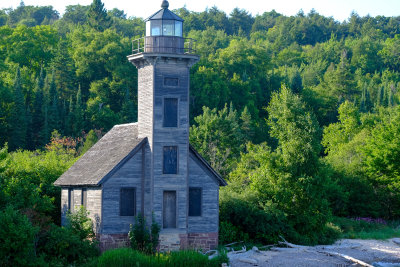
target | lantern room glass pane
x=148, y=32
x=168, y=28
x=178, y=28
x=156, y=27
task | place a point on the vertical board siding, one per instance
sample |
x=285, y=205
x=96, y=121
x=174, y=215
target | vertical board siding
x=199, y=178
x=128, y=176
x=64, y=205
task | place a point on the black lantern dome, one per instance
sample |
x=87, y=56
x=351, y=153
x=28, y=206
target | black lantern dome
x=164, y=23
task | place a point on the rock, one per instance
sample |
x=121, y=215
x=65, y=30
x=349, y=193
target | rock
x=396, y=241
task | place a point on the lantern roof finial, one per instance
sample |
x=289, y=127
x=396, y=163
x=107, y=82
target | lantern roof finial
x=165, y=4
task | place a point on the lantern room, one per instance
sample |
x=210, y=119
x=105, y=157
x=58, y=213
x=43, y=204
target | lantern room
x=164, y=23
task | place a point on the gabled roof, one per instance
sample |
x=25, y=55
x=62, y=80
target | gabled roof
x=110, y=153
x=118, y=145
x=164, y=14
x=215, y=174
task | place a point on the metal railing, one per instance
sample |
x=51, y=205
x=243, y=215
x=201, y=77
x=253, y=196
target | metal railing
x=164, y=44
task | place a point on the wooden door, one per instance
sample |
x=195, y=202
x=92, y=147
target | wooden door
x=169, y=212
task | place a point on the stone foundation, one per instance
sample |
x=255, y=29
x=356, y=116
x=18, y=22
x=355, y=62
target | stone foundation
x=202, y=241
x=110, y=241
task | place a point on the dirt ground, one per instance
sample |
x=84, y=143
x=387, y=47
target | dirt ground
x=382, y=253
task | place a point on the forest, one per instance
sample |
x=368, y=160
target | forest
x=300, y=114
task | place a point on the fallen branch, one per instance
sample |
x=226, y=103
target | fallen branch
x=230, y=244
x=346, y=257
x=239, y=251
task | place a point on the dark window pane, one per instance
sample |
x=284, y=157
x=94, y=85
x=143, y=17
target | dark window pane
x=71, y=199
x=170, y=165
x=127, y=202
x=84, y=197
x=170, y=112
x=168, y=81
x=195, y=201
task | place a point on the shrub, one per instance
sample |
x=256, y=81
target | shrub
x=17, y=238
x=72, y=244
x=243, y=220
x=142, y=238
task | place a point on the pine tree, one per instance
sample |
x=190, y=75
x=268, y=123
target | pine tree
x=128, y=111
x=78, y=113
x=98, y=17
x=70, y=122
x=30, y=144
x=64, y=70
x=19, y=127
x=246, y=124
x=38, y=115
x=380, y=99
x=390, y=99
x=53, y=114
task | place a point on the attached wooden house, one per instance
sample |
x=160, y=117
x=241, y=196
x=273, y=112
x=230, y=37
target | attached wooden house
x=149, y=167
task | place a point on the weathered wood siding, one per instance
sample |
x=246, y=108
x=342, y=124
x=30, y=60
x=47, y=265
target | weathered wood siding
x=201, y=178
x=64, y=205
x=129, y=175
x=171, y=136
x=93, y=204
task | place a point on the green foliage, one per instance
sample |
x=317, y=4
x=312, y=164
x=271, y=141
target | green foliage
x=367, y=228
x=142, y=238
x=73, y=244
x=91, y=139
x=129, y=257
x=219, y=136
x=17, y=238
x=241, y=219
x=97, y=16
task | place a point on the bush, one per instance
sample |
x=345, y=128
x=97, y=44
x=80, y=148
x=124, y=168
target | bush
x=17, y=239
x=142, y=238
x=128, y=257
x=243, y=220
x=72, y=244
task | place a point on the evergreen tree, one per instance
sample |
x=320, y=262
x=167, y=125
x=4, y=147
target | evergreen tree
x=295, y=81
x=64, y=70
x=70, y=121
x=91, y=139
x=380, y=99
x=365, y=102
x=38, y=115
x=53, y=109
x=98, y=17
x=30, y=144
x=78, y=113
x=390, y=98
x=128, y=111
x=19, y=127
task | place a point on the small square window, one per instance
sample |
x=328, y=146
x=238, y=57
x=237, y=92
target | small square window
x=195, y=201
x=127, y=202
x=170, y=112
x=170, y=160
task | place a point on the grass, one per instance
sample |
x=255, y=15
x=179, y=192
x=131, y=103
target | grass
x=127, y=257
x=367, y=228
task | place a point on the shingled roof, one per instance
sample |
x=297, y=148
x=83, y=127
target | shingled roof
x=118, y=145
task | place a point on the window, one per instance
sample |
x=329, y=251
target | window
x=155, y=27
x=170, y=112
x=169, y=81
x=127, y=202
x=195, y=201
x=168, y=27
x=70, y=199
x=84, y=197
x=170, y=160
x=178, y=28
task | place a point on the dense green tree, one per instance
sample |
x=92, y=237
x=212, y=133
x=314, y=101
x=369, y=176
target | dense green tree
x=98, y=17
x=218, y=137
x=18, y=117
